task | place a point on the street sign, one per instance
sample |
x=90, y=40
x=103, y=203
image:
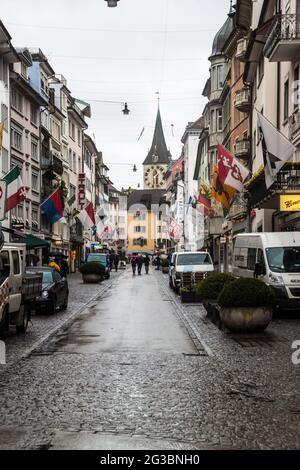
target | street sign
x=2, y=199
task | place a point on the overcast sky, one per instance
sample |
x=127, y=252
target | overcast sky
x=127, y=53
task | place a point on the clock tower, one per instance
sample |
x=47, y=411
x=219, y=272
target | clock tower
x=157, y=160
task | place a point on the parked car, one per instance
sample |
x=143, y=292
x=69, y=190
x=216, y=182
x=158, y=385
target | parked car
x=188, y=262
x=55, y=290
x=102, y=258
x=275, y=259
x=17, y=288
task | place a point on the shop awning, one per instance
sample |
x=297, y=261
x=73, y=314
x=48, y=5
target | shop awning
x=34, y=242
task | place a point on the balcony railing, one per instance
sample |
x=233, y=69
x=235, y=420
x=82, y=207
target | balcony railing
x=242, y=148
x=241, y=49
x=52, y=163
x=283, y=43
x=243, y=100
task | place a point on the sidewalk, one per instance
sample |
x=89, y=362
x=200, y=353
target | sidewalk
x=43, y=326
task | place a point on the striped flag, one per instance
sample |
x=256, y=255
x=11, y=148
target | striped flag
x=15, y=189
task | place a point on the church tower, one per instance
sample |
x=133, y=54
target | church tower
x=157, y=160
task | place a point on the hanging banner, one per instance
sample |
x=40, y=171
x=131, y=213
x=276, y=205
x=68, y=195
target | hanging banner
x=290, y=203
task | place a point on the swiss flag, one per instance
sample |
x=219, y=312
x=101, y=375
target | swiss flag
x=231, y=172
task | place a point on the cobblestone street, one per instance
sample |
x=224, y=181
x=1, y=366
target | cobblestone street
x=136, y=369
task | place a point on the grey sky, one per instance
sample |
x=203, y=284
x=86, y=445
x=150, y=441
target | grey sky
x=124, y=54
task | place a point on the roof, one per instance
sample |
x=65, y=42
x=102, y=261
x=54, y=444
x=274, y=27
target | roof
x=146, y=197
x=158, y=147
x=222, y=36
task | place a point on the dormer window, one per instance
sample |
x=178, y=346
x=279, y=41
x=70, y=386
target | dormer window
x=23, y=70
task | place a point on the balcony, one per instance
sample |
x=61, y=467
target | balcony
x=294, y=127
x=241, y=49
x=283, y=43
x=242, y=148
x=52, y=163
x=243, y=100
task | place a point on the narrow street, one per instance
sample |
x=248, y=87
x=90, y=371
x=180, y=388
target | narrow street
x=135, y=369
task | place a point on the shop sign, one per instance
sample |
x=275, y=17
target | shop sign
x=290, y=203
x=81, y=190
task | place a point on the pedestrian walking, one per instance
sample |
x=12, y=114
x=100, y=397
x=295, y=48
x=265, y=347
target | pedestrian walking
x=157, y=262
x=140, y=265
x=64, y=267
x=111, y=260
x=133, y=264
x=116, y=263
x=147, y=264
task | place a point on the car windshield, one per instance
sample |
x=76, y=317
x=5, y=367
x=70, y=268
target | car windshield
x=101, y=258
x=284, y=259
x=193, y=258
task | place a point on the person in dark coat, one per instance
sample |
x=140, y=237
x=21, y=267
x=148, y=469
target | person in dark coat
x=111, y=260
x=116, y=262
x=147, y=263
x=133, y=264
x=64, y=267
x=140, y=265
x=157, y=262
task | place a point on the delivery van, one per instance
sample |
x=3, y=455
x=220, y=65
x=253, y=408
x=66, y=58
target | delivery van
x=188, y=262
x=275, y=259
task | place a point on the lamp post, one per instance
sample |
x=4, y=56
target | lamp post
x=112, y=3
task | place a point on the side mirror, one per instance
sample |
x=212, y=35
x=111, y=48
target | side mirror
x=172, y=264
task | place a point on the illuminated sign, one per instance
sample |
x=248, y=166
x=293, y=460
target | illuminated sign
x=290, y=203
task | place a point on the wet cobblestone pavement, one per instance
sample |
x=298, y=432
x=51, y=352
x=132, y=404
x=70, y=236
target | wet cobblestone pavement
x=215, y=391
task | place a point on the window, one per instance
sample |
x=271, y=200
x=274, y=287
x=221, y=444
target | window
x=44, y=86
x=286, y=101
x=139, y=229
x=212, y=121
x=296, y=87
x=17, y=100
x=35, y=181
x=220, y=77
x=70, y=159
x=74, y=162
x=139, y=216
x=16, y=137
x=79, y=137
x=55, y=130
x=3, y=71
x=261, y=69
x=72, y=130
x=219, y=120
x=72, y=191
x=34, y=114
x=23, y=70
x=4, y=263
x=251, y=259
x=4, y=155
x=20, y=212
x=4, y=116
x=35, y=218
x=34, y=149
x=16, y=262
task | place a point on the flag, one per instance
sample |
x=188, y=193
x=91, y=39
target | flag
x=277, y=149
x=221, y=192
x=141, y=133
x=87, y=216
x=231, y=172
x=106, y=232
x=205, y=203
x=175, y=230
x=52, y=207
x=15, y=188
x=1, y=133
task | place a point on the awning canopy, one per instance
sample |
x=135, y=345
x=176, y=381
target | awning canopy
x=34, y=242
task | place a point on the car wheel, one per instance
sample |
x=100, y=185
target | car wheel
x=65, y=304
x=170, y=283
x=23, y=327
x=4, y=323
x=52, y=306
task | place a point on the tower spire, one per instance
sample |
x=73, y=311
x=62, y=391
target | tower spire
x=159, y=152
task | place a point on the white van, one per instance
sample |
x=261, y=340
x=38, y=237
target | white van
x=188, y=262
x=273, y=258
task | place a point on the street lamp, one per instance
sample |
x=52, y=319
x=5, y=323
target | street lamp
x=112, y=3
x=125, y=111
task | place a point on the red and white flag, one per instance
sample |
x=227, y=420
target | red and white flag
x=87, y=216
x=175, y=230
x=231, y=172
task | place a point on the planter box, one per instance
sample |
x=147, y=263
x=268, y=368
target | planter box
x=92, y=278
x=190, y=298
x=213, y=312
x=165, y=270
x=246, y=319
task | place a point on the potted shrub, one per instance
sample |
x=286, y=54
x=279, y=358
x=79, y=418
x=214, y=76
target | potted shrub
x=92, y=272
x=246, y=305
x=210, y=288
x=165, y=266
x=187, y=295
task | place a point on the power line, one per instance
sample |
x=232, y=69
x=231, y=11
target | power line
x=124, y=59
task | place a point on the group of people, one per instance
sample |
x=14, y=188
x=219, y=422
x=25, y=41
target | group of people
x=114, y=261
x=137, y=262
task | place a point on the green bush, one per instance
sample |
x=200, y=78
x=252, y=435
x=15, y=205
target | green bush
x=93, y=267
x=211, y=287
x=245, y=292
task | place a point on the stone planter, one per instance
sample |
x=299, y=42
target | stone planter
x=91, y=278
x=246, y=319
x=165, y=269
